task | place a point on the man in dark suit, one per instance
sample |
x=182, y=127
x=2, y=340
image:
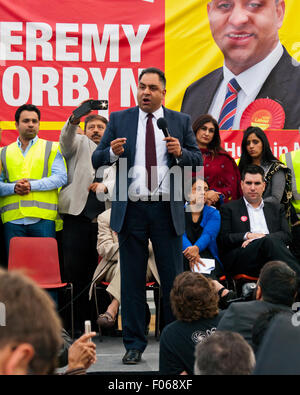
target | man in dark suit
x=146, y=209
x=276, y=291
x=247, y=35
x=253, y=231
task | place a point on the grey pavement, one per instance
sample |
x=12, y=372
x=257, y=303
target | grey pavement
x=111, y=351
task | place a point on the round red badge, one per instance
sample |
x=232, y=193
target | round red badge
x=244, y=218
x=264, y=113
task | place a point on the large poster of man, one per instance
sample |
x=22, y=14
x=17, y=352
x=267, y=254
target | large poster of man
x=256, y=65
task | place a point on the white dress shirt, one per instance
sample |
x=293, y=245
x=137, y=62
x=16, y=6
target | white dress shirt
x=137, y=189
x=257, y=218
x=250, y=81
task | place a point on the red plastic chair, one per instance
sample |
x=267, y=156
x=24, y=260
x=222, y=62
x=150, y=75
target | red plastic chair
x=38, y=257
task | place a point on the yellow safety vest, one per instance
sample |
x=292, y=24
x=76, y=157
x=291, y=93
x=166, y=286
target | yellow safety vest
x=36, y=165
x=292, y=160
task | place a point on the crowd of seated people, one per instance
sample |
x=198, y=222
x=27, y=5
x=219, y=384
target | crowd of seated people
x=213, y=219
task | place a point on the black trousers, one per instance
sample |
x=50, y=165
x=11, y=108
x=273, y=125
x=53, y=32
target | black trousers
x=251, y=259
x=79, y=239
x=144, y=221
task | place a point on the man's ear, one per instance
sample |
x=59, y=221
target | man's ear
x=258, y=294
x=18, y=361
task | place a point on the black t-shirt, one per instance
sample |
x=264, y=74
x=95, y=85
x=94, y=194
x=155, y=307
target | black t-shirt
x=178, y=341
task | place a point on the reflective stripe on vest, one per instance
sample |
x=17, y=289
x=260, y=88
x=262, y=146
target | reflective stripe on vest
x=289, y=163
x=38, y=204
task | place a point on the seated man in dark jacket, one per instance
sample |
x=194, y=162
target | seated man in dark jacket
x=276, y=289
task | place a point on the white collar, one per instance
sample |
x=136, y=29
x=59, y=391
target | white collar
x=262, y=204
x=256, y=75
x=156, y=114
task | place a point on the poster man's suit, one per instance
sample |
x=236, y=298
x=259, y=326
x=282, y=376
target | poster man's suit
x=279, y=86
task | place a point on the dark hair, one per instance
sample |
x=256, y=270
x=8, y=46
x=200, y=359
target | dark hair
x=91, y=117
x=253, y=169
x=27, y=107
x=260, y=326
x=195, y=179
x=193, y=296
x=278, y=283
x=267, y=155
x=215, y=144
x=154, y=70
x=224, y=353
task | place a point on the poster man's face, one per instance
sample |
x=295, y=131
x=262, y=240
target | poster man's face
x=246, y=31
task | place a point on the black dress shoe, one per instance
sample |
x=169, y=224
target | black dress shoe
x=132, y=357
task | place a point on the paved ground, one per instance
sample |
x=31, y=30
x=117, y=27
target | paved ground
x=111, y=351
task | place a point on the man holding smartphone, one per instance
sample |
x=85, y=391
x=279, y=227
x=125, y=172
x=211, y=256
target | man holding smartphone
x=79, y=206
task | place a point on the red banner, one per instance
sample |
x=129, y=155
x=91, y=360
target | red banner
x=57, y=54
x=281, y=141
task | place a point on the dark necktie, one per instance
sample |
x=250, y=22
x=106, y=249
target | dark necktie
x=150, y=150
x=229, y=107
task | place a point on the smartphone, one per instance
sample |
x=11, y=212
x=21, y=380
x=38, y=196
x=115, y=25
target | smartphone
x=89, y=105
x=87, y=328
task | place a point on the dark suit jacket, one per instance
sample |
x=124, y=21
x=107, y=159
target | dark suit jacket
x=125, y=124
x=241, y=316
x=279, y=86
x=233, y=228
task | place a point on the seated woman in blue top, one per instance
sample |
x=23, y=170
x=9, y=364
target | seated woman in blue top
x=202, y=228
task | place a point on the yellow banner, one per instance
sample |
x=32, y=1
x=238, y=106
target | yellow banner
x=190, y=51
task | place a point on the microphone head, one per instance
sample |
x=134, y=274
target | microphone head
x=162, y=123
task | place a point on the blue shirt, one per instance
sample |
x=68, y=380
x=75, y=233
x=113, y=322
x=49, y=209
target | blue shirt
x=57, y=179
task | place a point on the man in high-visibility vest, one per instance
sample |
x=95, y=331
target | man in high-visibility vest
x=33, y=170
x=292, y=160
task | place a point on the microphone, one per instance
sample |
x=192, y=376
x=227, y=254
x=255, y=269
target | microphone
x=163, y=125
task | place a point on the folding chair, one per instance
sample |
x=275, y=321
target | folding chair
x=150, y=286
x=240, y=279
x=38, y=257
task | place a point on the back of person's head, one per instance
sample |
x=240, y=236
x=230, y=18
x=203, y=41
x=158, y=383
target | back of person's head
x=193, y=296
x=253, y=169
x=30, y=320
x=261, y=325
x=278, y=283
x=224, y=353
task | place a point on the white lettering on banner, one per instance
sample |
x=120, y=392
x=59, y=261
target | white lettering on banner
x=8, y=84
x=33, y=41
x=277, y=151
x=8, y=40
x=68, y=48
x=43, y=82
x=39, y=85
x=90, y=34
x=235, y=152
x=296, y=146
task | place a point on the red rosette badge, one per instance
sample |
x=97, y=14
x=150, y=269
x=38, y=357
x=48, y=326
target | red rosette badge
x=264, y=113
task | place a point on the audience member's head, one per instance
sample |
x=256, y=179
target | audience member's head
x=261, y=325
x=94, y=127
x=31, y=336
x=277, y=283
x=224, y=353
x=193, y=296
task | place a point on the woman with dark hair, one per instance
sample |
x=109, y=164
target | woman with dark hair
x=256, y=150
x=201, y=230
x=220, y=170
